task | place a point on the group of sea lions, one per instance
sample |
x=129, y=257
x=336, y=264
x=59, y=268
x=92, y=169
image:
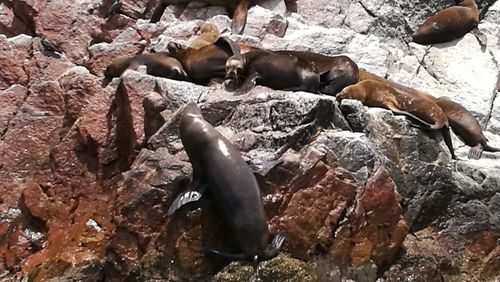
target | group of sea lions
x=218, y=166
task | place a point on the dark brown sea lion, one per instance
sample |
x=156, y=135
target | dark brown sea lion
x=219, y=167
x=448, y=24
x=336, y=72
x=206, y=63
x=157, y=64
x=377, y=94
x=277, y=71
x=466, y=127
x=209, y=33
x=239, y=8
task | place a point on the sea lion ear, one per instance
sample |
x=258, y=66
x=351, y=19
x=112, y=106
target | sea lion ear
x=228, y=45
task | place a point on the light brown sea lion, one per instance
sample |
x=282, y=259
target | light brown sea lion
x=206, y=63
x=364, y=75
x=157, y=64
x=239, y=8
x=336, y=72
x=377, y=94
x=277, y=71
x=219, y=168
x=466, y=127
x=448, y=24
x=209, y=33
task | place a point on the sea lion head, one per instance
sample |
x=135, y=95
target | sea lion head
x=352, y=92
x=210, y=28
x=235, y=67
x=118, y=66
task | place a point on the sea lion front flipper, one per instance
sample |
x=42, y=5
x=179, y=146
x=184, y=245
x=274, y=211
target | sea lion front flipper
x=240, y=17
x=265, y=167
x=481, y=37
x=184, y=198
x=424, y=124
x=445, y=131
x=228, y=45
x=248, y=84
x=240, y=256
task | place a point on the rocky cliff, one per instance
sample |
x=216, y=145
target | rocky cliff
x=88, y=169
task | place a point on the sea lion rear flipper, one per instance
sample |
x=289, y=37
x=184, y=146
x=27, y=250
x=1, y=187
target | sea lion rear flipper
x=228, y=45
x=240, y=256
x=158, y=11
x=278, y=241
x=240, y=17
x=475, y=152
x=184, y=198
x=481, y=37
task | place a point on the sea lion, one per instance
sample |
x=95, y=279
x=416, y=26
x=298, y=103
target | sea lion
x=336, y=72
x=219, y=167
x=377, y=94
x=239, y=8
x=157, y=64
x=207, y=63
x=209, y=33
x=277, y=71
x=448, y=24
x=466, y=127
x=365, y=75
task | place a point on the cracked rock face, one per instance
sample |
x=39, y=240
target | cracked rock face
x=89, y=169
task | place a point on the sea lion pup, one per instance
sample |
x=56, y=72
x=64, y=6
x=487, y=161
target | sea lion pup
x=157, y=64
x=207, y=63
x=448, y=24
x=277, y=71
x=336, y=72
x=377, y=94
x=239, y=9
x=219, y=167
x=209, y=33
x=466, y=127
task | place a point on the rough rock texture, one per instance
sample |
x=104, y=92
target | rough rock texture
x=89, y=167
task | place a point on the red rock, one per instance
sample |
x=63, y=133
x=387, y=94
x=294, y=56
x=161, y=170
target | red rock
x=375, y=228
x=12, y=65
x=11, y=100
x=313, y=204
x=10, y=23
